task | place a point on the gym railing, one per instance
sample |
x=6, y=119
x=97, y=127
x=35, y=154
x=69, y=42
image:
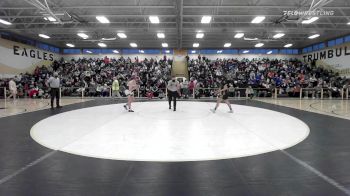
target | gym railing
x=276, y=93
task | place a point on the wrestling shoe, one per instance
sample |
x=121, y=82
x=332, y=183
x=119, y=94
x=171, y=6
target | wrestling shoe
x=126, y=108
x=131, y=110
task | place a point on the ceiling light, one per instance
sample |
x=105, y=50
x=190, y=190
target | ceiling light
x=258, y=19
x=196, y=45
x=164, y=45
x=250, y=39
x=226, y=45
x=269, y=52
x=122, y=35
x=245, y=51
x=70, y=45
x=88, y=51
x=206, y=19
x=160, y=35
x=199, y=35
x=51, y=19
x=102, y=19
x=83, y=35
x=116, y=51
x=154, y=19
x=278, y=35
x=109, y=39
x=314, y=36
x=5, y=22
x=239, y=35
x=258, y=45
x=311, y=20
x=134, y=45
x=288, y=45
x=348, y=23
x=103, y=45
x=44, y=36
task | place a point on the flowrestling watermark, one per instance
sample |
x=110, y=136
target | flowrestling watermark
x=308, y=13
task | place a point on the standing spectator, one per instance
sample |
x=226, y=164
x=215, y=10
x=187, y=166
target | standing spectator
x=13, y=89
x=115, y=87
x=54, y=84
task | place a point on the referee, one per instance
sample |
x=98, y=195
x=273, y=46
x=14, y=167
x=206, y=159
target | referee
x=173, y=91
x=54, y=84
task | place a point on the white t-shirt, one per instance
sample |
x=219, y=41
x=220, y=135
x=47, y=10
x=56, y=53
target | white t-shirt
x=12, y=85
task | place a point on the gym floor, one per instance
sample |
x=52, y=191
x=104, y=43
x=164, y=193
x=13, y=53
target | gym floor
x=317, y=165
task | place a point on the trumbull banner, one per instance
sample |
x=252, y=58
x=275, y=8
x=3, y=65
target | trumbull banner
x=337, y=57
x=18, y=58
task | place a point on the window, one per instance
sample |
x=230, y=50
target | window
x=331, y=43
x=321, y=46
x=347, y=38
x=71, y=51
x=339, y=41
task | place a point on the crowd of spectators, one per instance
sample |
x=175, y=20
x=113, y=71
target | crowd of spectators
x=263, y=75
x=95, y=76
x=256, y=77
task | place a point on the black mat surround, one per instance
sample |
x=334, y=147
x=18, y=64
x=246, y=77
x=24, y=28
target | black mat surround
x=27, y=168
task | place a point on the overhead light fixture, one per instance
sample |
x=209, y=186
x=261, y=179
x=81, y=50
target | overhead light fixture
x=288, y=45
x=164, y=45
x=226, y=45
x=116, y=51
x=278, y=35
x=199, y=35
x=196, y=45
x=83, y=35
x=269, y=52
x=245, y=51
x=102, y=19
x=122, y=35
x=219, y=52
x=134, y=45
x=70, y=45
x=258, y=19
x=250, y=39
x=193, y=51
x=5, y=22
x=141, y=51
x=311, y=20
x=161, y=35
x=154, y=19
x=109, y=39
x=314, y=36
x=239, y=35
x=44, y=36
x=103, y=45
x=167, y=51
x=348, y=23
x=51, y=19
x=258, y=45
x=88, y=51
x=206, y=19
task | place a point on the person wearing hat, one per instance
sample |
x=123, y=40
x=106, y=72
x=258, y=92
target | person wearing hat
x=54, y=84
